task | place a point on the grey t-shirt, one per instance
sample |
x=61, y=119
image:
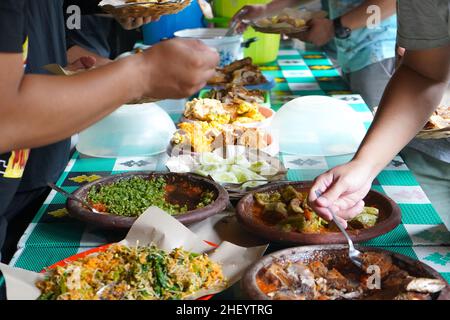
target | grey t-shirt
x=425, y=24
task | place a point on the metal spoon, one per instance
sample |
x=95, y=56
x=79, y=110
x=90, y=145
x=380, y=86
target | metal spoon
x=234, y=25
x=232, y=30
x=353, y=253
x=71, y=196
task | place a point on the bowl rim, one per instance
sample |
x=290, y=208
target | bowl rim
x=272, y=233
x=210, y=34
x=252, y=291
x=112, y=221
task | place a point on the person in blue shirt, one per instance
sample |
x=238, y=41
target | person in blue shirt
x=365, y=49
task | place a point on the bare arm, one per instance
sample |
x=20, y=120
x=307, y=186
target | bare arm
x=322, y=30
x=354, y=19
x=260, y=10
x=357, y=18
x=413, y=93
x=36, y=110
x=278, y=5
x=426, y=72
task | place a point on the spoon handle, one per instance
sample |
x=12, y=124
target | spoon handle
x=69, y=195
x=338, y=224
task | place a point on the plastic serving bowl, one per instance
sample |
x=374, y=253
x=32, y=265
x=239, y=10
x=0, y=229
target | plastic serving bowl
x=132, y=130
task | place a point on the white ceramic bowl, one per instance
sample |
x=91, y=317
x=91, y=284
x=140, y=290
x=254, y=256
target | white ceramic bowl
x=229, y=48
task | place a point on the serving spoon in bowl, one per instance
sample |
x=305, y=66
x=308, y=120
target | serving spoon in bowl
x=353, y=253
x=72, y=197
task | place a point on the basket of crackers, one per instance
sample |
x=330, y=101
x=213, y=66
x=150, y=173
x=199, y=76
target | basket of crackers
x=143, y=8
x=438, y=127
x=288, y=21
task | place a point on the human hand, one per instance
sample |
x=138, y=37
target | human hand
x=178, y=68
x=343, y=189
x=400, y=53
x=320, y=32
x=248, y=13
x=83, y=63
x=86, y=63
x=134, y=23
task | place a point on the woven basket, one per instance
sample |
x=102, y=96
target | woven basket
x=291, y=30
x=288, y=29
x=136, y=10
x=434, y=134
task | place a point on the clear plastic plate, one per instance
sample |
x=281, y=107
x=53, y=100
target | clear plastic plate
x=130, y=131
x=318, y=126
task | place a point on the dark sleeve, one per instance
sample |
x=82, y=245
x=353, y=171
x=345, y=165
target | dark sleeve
x=87, y=6
x=93, y=35
x=12, y=25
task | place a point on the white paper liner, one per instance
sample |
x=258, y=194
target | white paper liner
x=157, y=227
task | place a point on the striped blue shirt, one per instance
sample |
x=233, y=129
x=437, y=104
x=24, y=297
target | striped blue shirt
x=365, y=46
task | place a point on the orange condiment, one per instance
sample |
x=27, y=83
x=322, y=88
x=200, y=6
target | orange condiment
x=264, y=286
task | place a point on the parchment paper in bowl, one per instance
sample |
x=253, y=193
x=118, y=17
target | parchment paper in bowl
x=56, y=69
x=157, y=227
x=231, y=164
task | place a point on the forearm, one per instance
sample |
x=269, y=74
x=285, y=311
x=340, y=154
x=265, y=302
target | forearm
x=357, y=18
x=46, y=109
x=278, y=5
x=409, y=99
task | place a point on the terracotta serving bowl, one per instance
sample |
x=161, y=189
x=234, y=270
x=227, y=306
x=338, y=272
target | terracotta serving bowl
x=389, y=218
x=112, y=221
x=338, y=254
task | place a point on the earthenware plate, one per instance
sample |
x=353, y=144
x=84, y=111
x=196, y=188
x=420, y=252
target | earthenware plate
x=112, y=221
x=389, y=218
x=339, y=255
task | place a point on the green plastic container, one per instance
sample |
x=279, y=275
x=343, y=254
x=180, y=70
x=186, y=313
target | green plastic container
x=228, y=8
x=263, y=51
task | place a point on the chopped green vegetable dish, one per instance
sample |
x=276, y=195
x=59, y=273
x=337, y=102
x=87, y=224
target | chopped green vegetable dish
x=131, y=197
x=133, y=273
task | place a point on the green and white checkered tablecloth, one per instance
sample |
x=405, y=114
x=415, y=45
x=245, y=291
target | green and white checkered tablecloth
x=422, y=235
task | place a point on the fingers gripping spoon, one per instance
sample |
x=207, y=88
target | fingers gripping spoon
x=353, y=253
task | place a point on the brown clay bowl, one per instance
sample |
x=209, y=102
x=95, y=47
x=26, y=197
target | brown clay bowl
x=390, y=217
x=338, y=254
x=112, y=221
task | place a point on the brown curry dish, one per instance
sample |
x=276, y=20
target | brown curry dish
x=325, y=272
x=330, y=280
x=288, y=210
x=279, y=222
